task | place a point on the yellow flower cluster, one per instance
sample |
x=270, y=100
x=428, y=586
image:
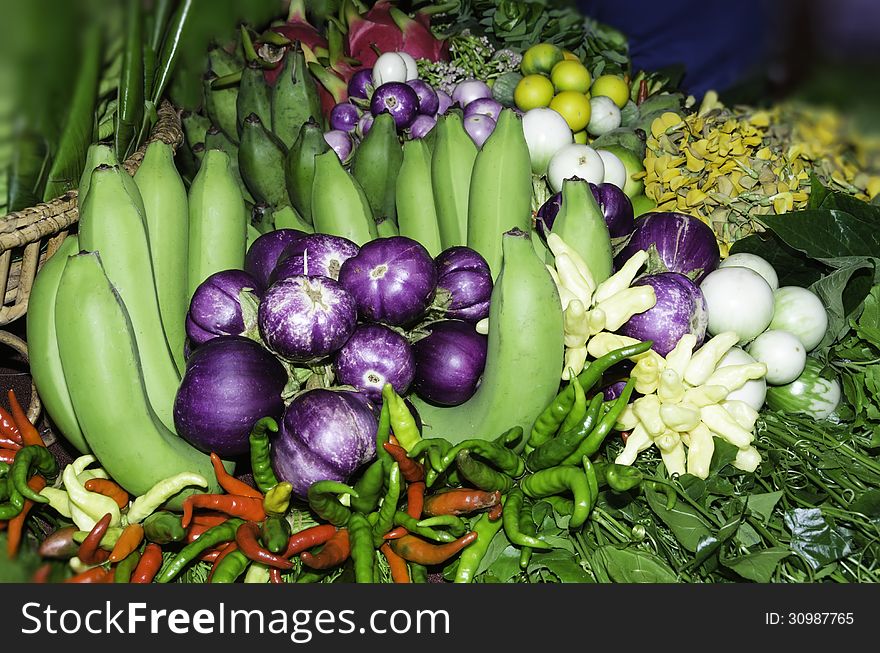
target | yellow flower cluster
x=728, y=166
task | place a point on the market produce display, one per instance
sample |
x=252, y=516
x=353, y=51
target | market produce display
x=449, y=291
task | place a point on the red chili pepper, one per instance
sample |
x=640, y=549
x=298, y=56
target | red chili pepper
x=41, y=575
x=624, y=435
x=231, y=484
x=494, y=513
x=334, y=552
x=397, y=565
x=16, y=524
x=8, y=443
x=308, y=538
x=248, y=508
x=128, y=541
x=90, y=551
x=149, y=564
x=7, y=456
x=218, y=558
x=109, y=489
x=193, y=532
x=275, y=576
x=92, y=575
x=415, y=499
x=459, y=501
x=248, y=539
x=29, y=433
x=395, y=533
x=411, y=470
x=415, y=549
x=209, y=518
x=8, y=429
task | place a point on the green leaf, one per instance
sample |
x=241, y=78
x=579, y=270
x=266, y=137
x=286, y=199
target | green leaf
x=818, y=192
x=506, y=565
x=763, y=504
x=792, y=268
x=684, y=522
x=496, y=548
x=747, y=536
x=843, y=291
x=562, y=565
x=758, y=566
x=868, y=504
x=868, y=325
x=853, y=206
x=633, y=566
x=723, y=455
x=815, y=539
x=822, y=234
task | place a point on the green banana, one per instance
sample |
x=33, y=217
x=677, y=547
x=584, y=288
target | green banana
x=112, y=222
x=501, y=189
x=376, y=164
x=416, y=214
x=195, y=126
x=287, y=218
x=524, y=357
x=216, y=139
x=254, y=96
x=386, y=227
x=339, y=204
x=166, y=211
x=295, y=97
x=261, y=217
x=45, y=363
x=581, y=224
x=299, y=166
x=218, y=221
x=451, y=166
x=261, y=162
x=104, y=373
x=97, y=154
x=221, y=104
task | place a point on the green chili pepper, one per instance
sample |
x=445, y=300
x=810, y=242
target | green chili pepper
x=125, y=567
x=230, y=567
x=481, y=475
x=470, y=558
x=369, y=487
x=418, y=573
x=510, y=518
x=620, y=478
x=274, y=533
x=14, y=504
x=549, y=420
x=500, y=457
x=403, y=425
x=382, y=436
x=385, y=516
x=597, y=436
x=323, y=501
x=362, y=552
x=412, y=525
x=666, y=489
x=560, y=504
x=277, y=500
x=30, y=457
x=578, y=410
x=145, y=504
x=592, y=481
x=454, y=523
x=510, y=437
x=561, y=478
x=311, y=576
x=163, y=527
x=436, y=448
x=526, y=527
x=215, y=535
x=108, y=540
x=557, y=449
x=261, y=463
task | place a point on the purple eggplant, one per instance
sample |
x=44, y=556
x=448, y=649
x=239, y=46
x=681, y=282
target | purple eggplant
x=422, y=126
x=306, y=318
x=361, y=84
x=398, y=99
x=485, y=106
x=615, y=205
x=464, y=284
x=314, y=255
x=215, y=308
x=428, y=100
x=344, y=117
x=444, y=102
x=373, y=356
x=449, y=363
x=265, y=252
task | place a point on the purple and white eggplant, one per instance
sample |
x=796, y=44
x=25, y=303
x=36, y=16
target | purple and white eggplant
x=464, y=284
x=230, y=382
x=324, y=435
x=469, y=90
x=373, y=356
x=485, y=106
x=265, y=252
x=428, y=100
x=216, y=308
x=422, y=126
x=680, y=309
x=344, y=117
x=314, y=255
x=341, y=143
x=444, y=102
x=364, y=124
x=360, y=85
x=616, y=207
x=479, y=128
x=449, y=363
x=303, y=318
x=392, y=280
x=397, y=98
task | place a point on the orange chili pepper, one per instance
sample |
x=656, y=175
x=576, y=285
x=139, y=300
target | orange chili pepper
x=411, y=470
x=29, y=433
x=89, y=550
x=149, y=564
x=459, y=501
x=109, y=489
x=308, y=538
x=494, y=513
x=8, y=429
x=16, y=524
x=399, y=570
x=231, y=484
x=248, y=508
x=225, y=551
x=395, y=533
x=415, y=499
x=92, y=575
x=130, y=539
x=334, y=552
x=41, y=575
x=422, y=552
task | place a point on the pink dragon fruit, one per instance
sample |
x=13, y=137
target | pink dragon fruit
x=297, y=28
x=388, y=29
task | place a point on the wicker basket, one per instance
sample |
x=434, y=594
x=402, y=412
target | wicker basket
x=29, y=237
